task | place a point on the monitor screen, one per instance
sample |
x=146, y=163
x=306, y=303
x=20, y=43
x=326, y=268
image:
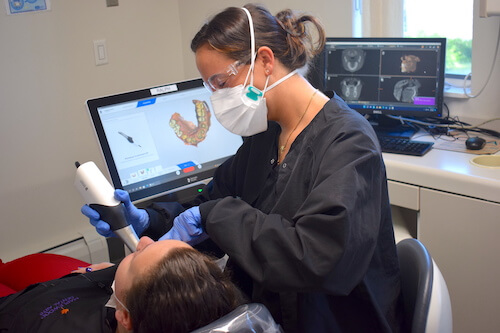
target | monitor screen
x=162, y=139
x=387, y=76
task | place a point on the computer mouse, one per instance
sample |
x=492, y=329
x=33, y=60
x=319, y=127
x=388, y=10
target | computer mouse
x=475, y=143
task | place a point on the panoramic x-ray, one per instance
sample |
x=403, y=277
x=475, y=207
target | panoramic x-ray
x=406, y=90
x=353, y=59
x=351, y=88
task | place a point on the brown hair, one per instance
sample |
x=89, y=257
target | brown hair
x=288, y=35
x=185, y=291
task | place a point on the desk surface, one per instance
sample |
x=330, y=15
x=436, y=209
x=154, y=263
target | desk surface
x=447, y=171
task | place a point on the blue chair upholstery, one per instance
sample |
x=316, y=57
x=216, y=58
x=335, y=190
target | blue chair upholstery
x=425, y=294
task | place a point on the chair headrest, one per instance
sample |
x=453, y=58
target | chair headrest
x=253, y=317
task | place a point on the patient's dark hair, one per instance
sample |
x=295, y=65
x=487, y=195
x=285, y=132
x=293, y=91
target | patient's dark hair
x=289, y=35
x=186, y=290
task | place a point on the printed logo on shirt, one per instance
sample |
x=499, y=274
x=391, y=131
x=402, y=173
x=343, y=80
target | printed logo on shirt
x=58, y=306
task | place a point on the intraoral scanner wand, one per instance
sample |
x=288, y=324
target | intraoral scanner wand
x=99, y=195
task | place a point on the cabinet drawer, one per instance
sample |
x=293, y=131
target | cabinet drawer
x=404, y=195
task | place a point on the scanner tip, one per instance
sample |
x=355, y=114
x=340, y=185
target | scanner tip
x=77, y=164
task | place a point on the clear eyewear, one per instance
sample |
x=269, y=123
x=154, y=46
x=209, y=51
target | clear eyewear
x=218, y=81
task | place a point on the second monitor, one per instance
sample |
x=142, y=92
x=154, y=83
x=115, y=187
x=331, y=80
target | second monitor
x=387, y=76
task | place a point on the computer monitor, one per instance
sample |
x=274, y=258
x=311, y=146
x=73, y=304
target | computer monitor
x=387, y=76
x=161, y=141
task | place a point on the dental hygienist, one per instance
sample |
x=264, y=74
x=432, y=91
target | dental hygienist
x=302, y=209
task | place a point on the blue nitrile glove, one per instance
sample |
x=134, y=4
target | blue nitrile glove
x=187, y=227
x=138, y=218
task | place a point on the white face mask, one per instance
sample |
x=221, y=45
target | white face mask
x=242, y=110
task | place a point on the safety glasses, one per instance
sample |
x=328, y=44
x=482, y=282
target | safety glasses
x=218, y=81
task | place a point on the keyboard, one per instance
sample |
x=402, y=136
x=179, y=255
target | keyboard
x=404, y=146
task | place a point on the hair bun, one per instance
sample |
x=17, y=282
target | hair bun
x=289, y=22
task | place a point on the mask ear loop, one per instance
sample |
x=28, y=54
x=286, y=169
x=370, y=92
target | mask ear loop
x=292, y=73
x=250, y=71
x=252, y=46
x=254, y=56
x=120, y=302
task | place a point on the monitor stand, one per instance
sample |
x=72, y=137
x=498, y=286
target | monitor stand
x=385, y=126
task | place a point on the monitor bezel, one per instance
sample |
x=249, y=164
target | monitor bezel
x=188, y=181
x=409, y=113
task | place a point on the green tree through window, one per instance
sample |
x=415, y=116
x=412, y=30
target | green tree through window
x=443, y=18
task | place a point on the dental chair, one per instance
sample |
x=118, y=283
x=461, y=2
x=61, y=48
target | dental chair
x=18, y=274
x=425, y=294
x=253, y=317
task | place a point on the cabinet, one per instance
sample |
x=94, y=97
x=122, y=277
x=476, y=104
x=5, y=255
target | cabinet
x=453, y=207
x=463, y=236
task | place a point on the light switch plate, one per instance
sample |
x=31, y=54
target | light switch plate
x=100, y=52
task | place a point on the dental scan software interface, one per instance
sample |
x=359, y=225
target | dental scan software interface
x=403, y=76
x=161, y=139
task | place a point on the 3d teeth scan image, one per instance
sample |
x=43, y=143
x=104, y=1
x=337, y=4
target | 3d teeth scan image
x=189, y=132
x=409, y=63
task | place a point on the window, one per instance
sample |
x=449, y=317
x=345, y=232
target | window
x=443, y=18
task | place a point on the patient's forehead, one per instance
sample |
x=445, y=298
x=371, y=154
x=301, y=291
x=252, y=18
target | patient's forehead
x=147, y=255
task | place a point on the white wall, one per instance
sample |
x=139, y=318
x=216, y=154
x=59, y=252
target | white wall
x=335, y=16
x=487, y=104
x=48, y=71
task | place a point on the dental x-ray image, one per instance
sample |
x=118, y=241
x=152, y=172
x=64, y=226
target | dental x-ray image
x=353, y=59
x=406, y=90
x=386, y=76
x=351, y=88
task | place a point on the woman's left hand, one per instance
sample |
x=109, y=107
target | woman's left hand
x=92, y=268
x=187, y=227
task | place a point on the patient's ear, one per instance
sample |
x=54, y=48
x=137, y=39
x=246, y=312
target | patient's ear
x=123, y=318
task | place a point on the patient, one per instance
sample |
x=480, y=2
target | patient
x=177, y=292
x=165, y=286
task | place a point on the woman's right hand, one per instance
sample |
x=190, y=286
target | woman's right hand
x=137, y=218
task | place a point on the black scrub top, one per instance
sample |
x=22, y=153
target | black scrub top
x=312, y=237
